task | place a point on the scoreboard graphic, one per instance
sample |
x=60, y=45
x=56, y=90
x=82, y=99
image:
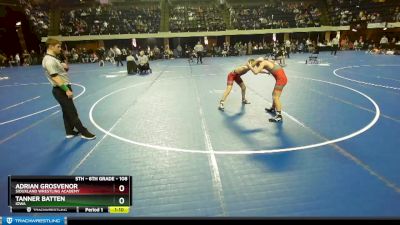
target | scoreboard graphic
x=70, y=194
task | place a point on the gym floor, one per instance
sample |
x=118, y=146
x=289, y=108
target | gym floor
x=336, y=153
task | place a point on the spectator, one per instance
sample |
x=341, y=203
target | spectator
x=131, y=64
x=34, y=57
x=335, y=45
x=168, y=52
x=11, y=61
x=100, y=53
x=118, y=55
x=179, y=49
x=143, y=62
x=17, y=60
x=111, y=55
x=287, y=46
x=157, y=52
x=27, y=58
x=384, y=42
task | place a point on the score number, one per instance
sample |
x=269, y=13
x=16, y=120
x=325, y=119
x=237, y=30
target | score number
x=121, y=188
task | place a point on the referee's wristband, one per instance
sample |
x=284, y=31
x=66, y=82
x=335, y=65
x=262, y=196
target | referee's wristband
x=64, y=87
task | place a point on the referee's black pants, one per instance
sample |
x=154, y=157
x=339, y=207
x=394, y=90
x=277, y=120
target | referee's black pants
x=334, y=49
x=119, y=60
x=288, y=52
x=70, y=115
x=199, y=57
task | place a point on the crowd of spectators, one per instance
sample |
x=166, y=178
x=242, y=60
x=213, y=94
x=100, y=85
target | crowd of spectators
x=395, y=12
x=190, y=18
x=101, y=55
x=24, y=59
x=345, y=12
x=106, y=19
x=37, y=16
x=110, y=19
x=274, y=15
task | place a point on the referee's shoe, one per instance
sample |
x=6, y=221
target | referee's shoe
x=71, y=135
x=87, y=135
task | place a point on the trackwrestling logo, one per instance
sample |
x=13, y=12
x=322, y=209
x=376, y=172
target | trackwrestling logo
x=33, y=220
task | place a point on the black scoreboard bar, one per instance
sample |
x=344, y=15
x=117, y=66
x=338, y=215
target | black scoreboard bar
x=70, y=194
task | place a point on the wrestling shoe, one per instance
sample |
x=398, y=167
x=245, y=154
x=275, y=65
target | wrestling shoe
x=270, y=110
x=221, y=106
x=275, y=119
x=245, y=102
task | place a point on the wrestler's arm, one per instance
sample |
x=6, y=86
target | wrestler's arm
x=256, y=70
x=265, y=72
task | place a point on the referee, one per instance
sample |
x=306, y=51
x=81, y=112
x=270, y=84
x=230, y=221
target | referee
x=55, y=72
x=198, y=49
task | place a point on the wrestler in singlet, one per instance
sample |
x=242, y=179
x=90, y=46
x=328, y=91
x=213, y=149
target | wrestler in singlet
x=260, y=65
x=278, y=73
x=236, y=74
